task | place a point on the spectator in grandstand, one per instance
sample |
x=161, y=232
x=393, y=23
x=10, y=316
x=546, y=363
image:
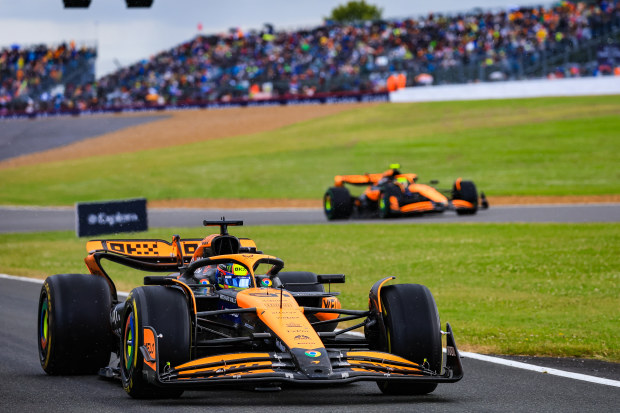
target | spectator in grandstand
x=342, y=58
x=29, y=73
x=480, y=46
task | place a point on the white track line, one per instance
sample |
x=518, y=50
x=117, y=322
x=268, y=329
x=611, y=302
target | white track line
x=25, y=279
x=546, y=370
x=39, y=281
x=466, y=354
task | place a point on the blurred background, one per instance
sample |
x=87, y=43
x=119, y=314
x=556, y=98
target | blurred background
x=110, y=56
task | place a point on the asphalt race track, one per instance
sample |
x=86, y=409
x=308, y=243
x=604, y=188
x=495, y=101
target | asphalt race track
x=486, y=387
x=29, y=219
x=23, y=136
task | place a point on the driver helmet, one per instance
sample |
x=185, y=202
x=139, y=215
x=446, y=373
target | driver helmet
x=232, y=275
x=403, y=182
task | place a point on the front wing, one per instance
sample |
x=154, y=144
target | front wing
x=280, y=367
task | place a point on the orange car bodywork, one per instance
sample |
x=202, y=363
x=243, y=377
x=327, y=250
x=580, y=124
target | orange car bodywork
x=303, y=355
x=406, y=182
x=274, y=307
x=430, y=198
x=370, y=179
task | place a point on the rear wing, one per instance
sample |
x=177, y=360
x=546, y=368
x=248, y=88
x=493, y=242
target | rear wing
x=152, y=255
x=156, y=250
x=368, y=179
x=147, y=249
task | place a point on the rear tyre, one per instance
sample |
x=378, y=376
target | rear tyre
x=305, y=280
x=74, y=324
x=337, y=203
x=413, y=332
x=300, y=281
x=164, y=309
x=467, y=192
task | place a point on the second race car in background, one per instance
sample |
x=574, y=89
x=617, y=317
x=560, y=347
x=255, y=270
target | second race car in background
x=393, y=194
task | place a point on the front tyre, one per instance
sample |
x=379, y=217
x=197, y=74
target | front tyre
x=74, y=334
x=413, y=332
x=165, y=310
x=389, y=205
x=466, y=191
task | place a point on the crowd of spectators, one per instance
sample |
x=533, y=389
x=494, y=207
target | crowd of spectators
x=37, y=74
x=511, y=44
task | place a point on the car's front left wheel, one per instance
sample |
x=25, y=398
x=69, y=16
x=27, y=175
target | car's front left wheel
x=389, y=201
x=165, y=311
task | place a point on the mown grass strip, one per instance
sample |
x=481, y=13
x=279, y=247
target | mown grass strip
x=533, y=289
x=550, y=146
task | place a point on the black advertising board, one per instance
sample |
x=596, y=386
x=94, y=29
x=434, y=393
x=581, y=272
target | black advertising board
x=110, y=217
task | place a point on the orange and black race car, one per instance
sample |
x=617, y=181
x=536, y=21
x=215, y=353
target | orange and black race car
x=393, y=194
x=227, y=314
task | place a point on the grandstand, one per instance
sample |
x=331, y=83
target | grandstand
x=566, y=39
x=51, y=77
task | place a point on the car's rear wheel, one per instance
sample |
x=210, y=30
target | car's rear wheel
x=337, y=203
x=74, y=324
x=305, y=281
x=165, y=310
x=413, y=332
x=300, y=281
x=466, y=191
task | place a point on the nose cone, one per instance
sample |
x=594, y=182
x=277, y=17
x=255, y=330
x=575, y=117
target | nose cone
x=441, y=206
x=313, y=363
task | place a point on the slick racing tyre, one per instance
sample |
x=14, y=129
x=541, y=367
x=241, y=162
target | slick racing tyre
x=74, y=324
x=165, y=310
x=300, y=281
x=337, y=203
x=413, y=332
x=385, y=200
x=305, y=281
x=466, y=190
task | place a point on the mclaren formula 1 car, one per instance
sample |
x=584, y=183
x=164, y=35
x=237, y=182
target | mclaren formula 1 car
x=394, y=194
x=225, y=314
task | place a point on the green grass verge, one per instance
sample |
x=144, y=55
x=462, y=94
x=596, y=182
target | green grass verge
x=533, y=289
x=550, y=146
